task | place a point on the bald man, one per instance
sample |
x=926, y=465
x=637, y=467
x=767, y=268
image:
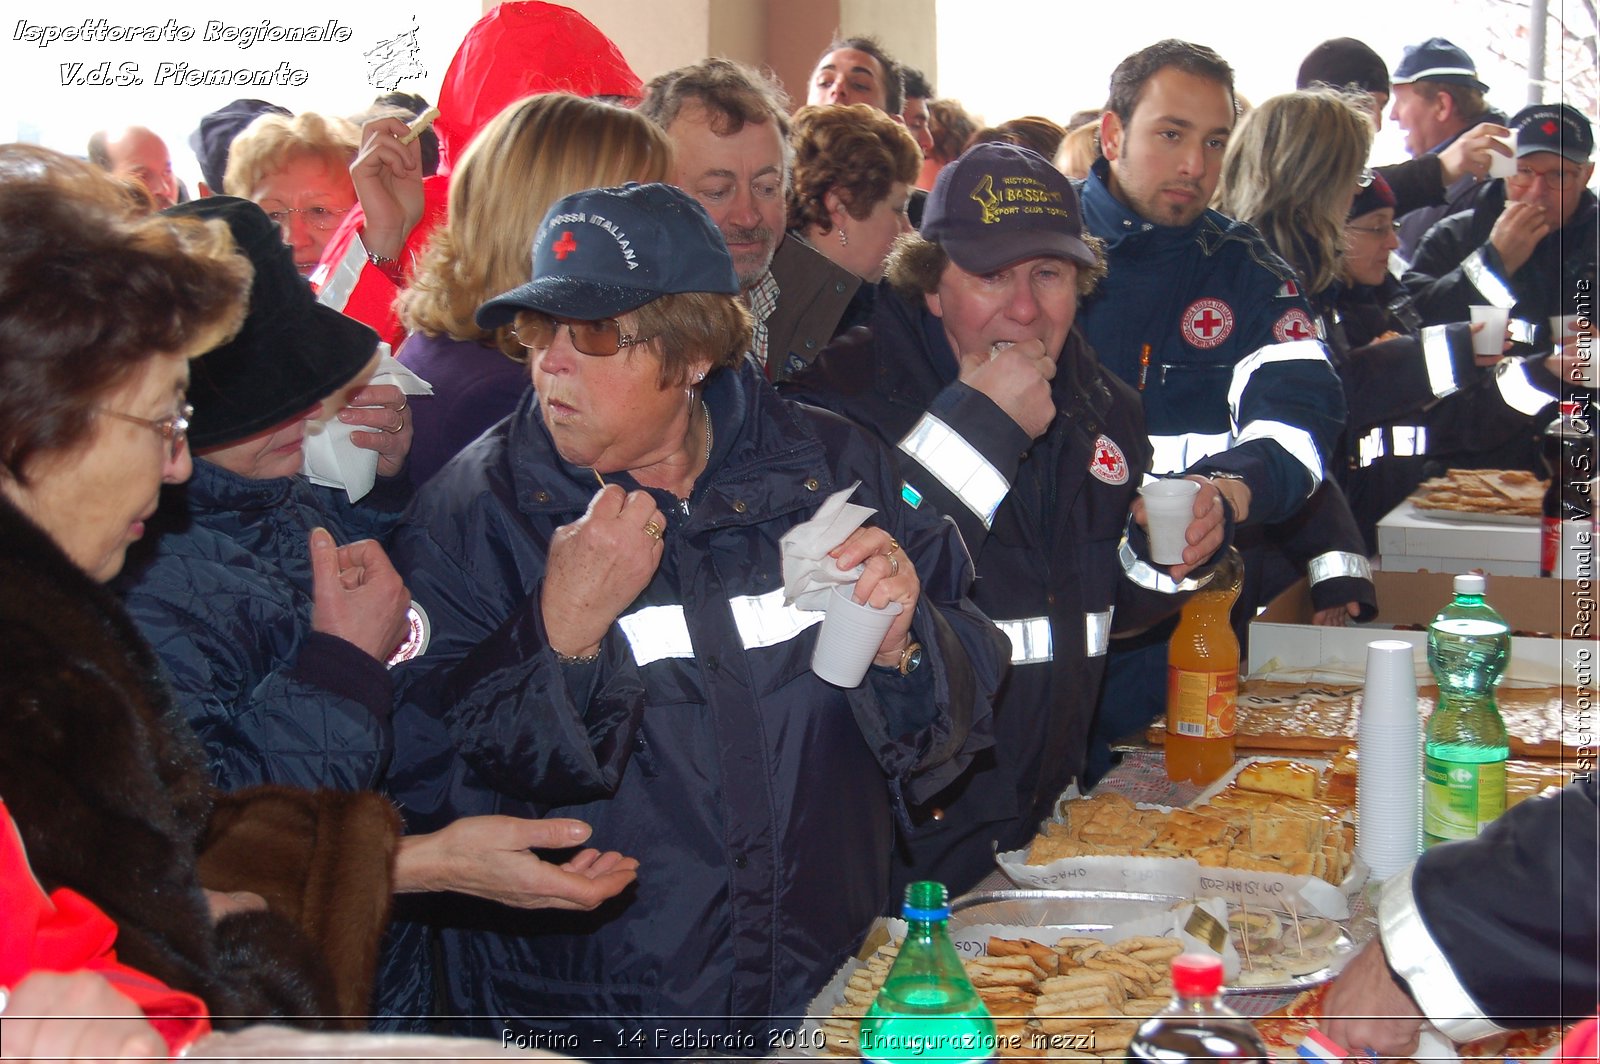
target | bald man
x=139, y=154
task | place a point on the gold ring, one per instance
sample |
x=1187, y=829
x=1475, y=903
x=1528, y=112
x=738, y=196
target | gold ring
x=652, y=530
x=402, y=407
x=398, y=428
x=889, y=555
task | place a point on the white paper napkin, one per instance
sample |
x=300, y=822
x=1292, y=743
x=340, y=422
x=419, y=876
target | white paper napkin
x=808, y=572
x=331, y=459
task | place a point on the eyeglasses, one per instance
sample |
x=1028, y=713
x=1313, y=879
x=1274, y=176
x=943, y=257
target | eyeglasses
x=1556, y=179
x=174, y=429
x=1375, y=230
x=603, y=338
x=319, y=218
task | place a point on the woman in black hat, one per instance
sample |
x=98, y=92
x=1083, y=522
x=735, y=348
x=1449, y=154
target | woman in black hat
x=274, y=607
x=276, y=638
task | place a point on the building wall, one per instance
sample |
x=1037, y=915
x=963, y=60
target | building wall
x=784, y=36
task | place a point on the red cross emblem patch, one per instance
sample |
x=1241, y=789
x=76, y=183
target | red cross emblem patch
x=1549, y=127
x=565, y=246
x=1207, y=322
x=1294, y=325
x=1108, y=464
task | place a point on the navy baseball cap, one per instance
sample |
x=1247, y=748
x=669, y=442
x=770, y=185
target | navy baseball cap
x=999, y=204
x=218, y=130
x=1436, y=59
x=1555, y=127
x=605, y=251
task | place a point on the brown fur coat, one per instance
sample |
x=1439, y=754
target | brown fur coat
x=108, y=789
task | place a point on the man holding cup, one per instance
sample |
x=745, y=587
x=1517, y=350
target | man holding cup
x=973, y=368
x=1528, y=247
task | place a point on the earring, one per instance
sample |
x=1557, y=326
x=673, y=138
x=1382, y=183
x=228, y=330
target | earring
x=844, y=241
x=701, y=377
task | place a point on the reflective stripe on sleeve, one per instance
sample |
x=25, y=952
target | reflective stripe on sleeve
x=1291, y=351
x=1337, y=563
x=1517, y=389
x=957, y=465
x=764, y=620
x=335, y=281
x=1297, y=441
x=657, y=632
x=1148, y=576
x=1416, y=957
x=1096, y=632
x=1436, y=357
x=1030, y=639
x=1484, y=280
x=1179, y=451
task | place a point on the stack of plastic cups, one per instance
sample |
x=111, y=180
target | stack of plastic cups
x=1389, y=777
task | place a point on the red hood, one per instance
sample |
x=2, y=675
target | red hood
x=521, y=49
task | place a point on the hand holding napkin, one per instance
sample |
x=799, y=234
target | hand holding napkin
x=808, y=573
x=331, y=460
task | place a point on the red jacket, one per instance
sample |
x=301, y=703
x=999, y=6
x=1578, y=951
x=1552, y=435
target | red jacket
x=517, y=50
x=65, y=932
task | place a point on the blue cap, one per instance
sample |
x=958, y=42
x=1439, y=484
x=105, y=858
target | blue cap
x=1554, y=127
x=999, y=204
x=1436, y=59
x=605, y=251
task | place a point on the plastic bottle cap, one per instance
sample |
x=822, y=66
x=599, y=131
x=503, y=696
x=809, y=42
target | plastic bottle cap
x=926, y=900
x=1196, y=974
x=1470, y=584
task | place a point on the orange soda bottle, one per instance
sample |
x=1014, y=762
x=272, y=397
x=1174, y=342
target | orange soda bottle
x=1203, y=679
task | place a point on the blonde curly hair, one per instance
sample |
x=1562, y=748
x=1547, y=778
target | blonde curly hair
x=273, y=141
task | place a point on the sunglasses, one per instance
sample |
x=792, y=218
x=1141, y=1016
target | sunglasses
x=603, y=338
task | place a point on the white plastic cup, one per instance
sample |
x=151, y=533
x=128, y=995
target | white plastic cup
x=1491, y=339
x=849, y=637
x=1504, y=165
x=1168, y=509
x=1389, y=770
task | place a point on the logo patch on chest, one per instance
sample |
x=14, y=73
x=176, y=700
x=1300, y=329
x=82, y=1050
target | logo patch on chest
x=418, y=634
x=1108, y=464
x=1295, y=324
x=1207, y=323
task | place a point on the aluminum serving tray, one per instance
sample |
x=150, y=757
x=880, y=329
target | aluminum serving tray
x=1092, y=911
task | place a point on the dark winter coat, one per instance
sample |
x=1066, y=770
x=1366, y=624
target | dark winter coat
x=759, y=800
x=109, y=791
x=221, y=588
x=1044, y=519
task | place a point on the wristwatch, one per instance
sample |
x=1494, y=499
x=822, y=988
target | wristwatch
x=910, y=657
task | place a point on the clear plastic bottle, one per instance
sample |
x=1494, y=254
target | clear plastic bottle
x=927, y=1009
x=1465, y=746
x=1203, y=679
x=1197, y=1025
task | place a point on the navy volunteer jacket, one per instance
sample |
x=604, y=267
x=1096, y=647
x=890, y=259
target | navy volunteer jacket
x=1045, y=520
x=759, y=800
x=221, y=588
x=1211, y=327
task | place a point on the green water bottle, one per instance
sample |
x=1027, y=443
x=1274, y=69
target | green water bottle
x=1465, y=747
x=927, y=1009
